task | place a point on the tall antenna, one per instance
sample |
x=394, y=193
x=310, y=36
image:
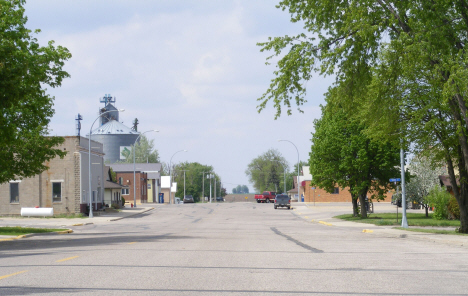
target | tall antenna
x=78, y=119
x=107, y=99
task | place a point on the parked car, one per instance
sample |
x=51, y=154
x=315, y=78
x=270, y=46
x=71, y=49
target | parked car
x=219, y=199
x=188, y=199
x=282, y=200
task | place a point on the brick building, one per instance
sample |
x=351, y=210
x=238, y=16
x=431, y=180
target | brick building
x=63, y=186
x=147, y=180
x=315, y=194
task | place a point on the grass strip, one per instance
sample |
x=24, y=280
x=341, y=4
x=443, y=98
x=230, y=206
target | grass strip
x=413, y=219
x=18, y=230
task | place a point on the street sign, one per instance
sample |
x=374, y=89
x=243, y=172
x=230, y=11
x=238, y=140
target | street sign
x=395, y=180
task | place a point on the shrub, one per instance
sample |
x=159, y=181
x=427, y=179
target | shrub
x=115, y=206
x=439, y=199
x=123, y=201
x=453, y=208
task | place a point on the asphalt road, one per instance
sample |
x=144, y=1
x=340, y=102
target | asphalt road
x=230, y=249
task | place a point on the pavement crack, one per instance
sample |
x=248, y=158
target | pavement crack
x=307, y=247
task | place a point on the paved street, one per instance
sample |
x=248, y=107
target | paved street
x=233, y=249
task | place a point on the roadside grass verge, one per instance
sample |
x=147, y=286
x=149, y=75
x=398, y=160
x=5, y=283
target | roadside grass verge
x=58, y=216
x=18, y=230
x=68, y=216
x=414, y=219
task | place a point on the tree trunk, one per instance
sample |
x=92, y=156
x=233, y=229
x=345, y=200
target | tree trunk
x=355, y=207
x=362, y=200
x=463, y=196
x=427, y=210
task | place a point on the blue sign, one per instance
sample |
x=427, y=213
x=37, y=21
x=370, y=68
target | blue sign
x=395, y=180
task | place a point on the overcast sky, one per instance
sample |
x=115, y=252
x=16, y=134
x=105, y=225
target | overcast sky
x=190, y=69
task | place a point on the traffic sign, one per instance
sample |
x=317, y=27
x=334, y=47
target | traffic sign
x=395, y=180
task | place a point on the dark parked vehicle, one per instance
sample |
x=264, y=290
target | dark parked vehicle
x=219, y=198
x=188, y=199
x=282, y=200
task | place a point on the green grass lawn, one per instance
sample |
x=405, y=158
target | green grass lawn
x=17, y=230
x=414, y=219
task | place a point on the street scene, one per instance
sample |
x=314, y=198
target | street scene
x=235, y=147
x=231, y=249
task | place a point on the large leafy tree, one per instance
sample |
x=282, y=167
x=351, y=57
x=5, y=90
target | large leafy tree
x=144, y=152
x=343, y=155
x=266, y=171
x=196, y=180
x=25, y=69
x=403, y=63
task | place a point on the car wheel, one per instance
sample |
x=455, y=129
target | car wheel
x=289, y=208
x=276, y=207
x=267, y=201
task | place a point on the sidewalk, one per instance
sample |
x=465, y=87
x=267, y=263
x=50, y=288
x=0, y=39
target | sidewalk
x=99, y=218
x=323, y=213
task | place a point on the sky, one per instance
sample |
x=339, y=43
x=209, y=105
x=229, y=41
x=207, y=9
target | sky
x=190, y=69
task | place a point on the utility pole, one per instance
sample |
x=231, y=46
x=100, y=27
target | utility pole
x=184, y=179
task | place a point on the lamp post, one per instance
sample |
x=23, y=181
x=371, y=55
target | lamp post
x=170, y=176
x=203, y=184
x=89, y=154
x=134, y=184
x=404, y=222
x=210, y=176
x=298, y=195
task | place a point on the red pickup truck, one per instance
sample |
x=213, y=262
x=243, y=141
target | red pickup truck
x=266, y=196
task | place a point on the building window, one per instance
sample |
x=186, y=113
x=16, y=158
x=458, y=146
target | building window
x=14, y=192
x=120, y=180
x=125, y=191
x=56, y=192
x=336, y=190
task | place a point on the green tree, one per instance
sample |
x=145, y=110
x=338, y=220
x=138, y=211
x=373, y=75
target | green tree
x=234, y=190
x=144, y=152
x=265, y=172
x=195, y=180
x=25, y=69
x=402, y=64
x=343, y=155
x=245, y=189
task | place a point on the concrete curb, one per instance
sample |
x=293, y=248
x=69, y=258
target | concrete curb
x=130, y=215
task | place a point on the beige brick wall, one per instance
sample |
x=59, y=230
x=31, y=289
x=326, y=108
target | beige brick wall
x=320, y=195
x=37, y=190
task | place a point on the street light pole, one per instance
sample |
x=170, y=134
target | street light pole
x=134, y=182
x=170, y=176
x=404, y=222
x=203, y=184
x=298, y=194
x=89, y=156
